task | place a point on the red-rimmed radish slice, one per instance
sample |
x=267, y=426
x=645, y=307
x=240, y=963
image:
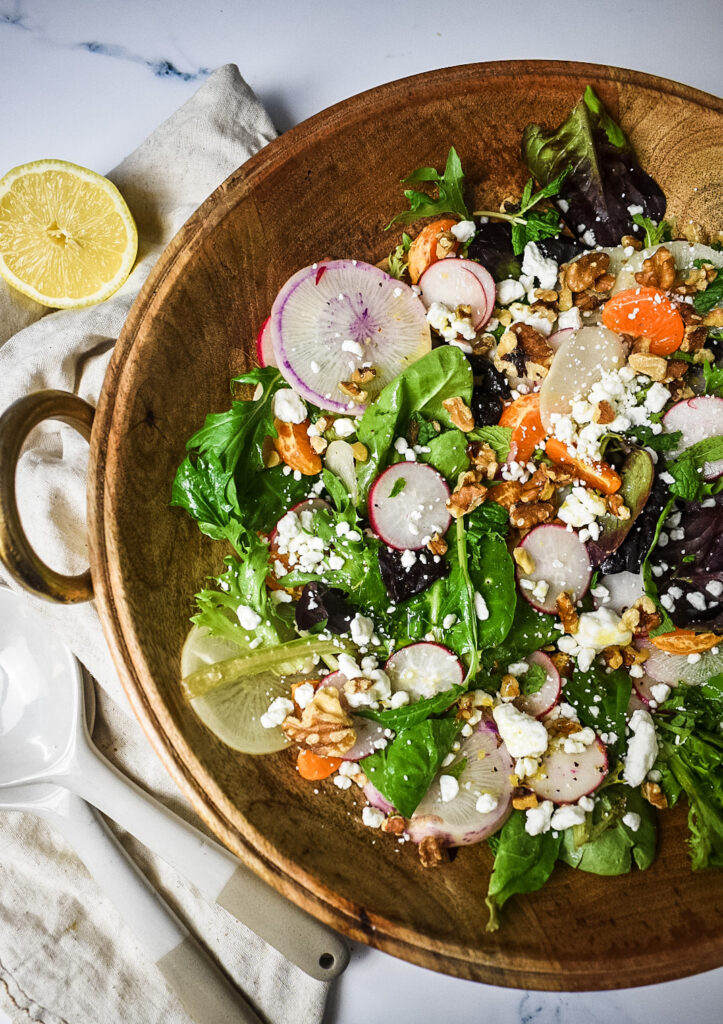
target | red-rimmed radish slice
x=560, y=560
x=408, y=505
x=578, y=364
x=264, y=349
x=539, y=703
x=453, y=283
x=663, y=667
x=330, y=319
x=559, y=337
x=376, y=799
x=567, y=777
x=488, y=283
x=623, y=590
x=367, y=731
x=697, y=419
x=486, y=776
x=307, y=505
x=645, y=689
x=423, y=669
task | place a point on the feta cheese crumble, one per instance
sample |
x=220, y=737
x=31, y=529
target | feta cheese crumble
x=276, y=713
x=522, y=734
x=288, y=406
x=642, y=748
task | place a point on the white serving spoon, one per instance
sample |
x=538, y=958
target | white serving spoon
x=44, y=738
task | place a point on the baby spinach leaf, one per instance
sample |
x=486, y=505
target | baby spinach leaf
x=404, y=770
x=608, y=713
x=523, y=863
x=492, y=574
x=613, y=846
x=530, y=630
x=402, y=718
x=606, y=178
x=449, y=197
x=713, y=377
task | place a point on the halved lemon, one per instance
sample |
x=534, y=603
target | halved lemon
x=67, y=237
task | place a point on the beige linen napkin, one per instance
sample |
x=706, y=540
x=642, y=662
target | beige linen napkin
x=65, y=956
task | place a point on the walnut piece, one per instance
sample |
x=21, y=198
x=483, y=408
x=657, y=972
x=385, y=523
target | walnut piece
x=714, y=318
x=459, y=413
x=562, y=726
x=437, y=545
x=431, y=852
x=466, y=499
x=613, y=657
x=654, y=795
x=525, y=516
x=395, y=824
x=563, y=663
x=603, y=413
x=641, y=617
x=509, y=687
x=569, y=618
x=506, y=493
x=630, y=240
x=363, y=375
x=351, y=389
x=654, y=367
x=324, y=726
x=524, y=559
x=583, y=273
x=616, y=507
x=483, y=458
x=658, y=270
x=533, y=344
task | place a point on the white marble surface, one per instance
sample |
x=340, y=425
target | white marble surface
x=86, y=80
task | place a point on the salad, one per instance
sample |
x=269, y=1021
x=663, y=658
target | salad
x=471, y=501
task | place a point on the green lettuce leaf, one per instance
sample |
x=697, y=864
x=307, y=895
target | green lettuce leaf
x=523, y=863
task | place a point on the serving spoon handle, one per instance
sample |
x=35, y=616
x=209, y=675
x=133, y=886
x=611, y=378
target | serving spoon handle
x=205, y=992
x=216, y=873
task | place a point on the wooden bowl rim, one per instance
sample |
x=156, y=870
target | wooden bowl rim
x=533, y=971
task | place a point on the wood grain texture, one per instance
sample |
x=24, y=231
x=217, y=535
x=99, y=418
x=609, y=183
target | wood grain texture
x=327, y=188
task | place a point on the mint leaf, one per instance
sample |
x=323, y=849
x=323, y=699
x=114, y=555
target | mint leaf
x=713, y=377
x=654, y=233
x=532, y=680
x=705, y=301
x=399, y=486
x=449, y=198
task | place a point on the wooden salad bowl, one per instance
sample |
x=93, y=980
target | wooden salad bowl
x=327, y=188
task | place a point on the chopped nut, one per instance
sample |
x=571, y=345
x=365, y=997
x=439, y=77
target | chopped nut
x=532, y=343
x=694, y=338
x=540, y=486
x=395, y=824
x=522, y=803
x=507, y=343
x=603, y=413
x=524, y=517
x=506, y=493
x=524, y=559
x=562, y=726
x=693, y=232
x=536, y=371
x=363, y=375
x=505, y=318
x=654, y=367
x=546, y=295
x=360, y=684
x=352, y=390
x=437, y=545
x=654, y=795
x=446, y=242
x=324, y=726
x=679, y=390
x=466, y=499
x=565, y=300
x=604, y=283
x=318, y=444
x=431, y=852
x=641, y=617
x=616, y=507
x=360, y=451
x=582, y=273
x=272, y=459
x=569, y=618
x=483, y=458
x=482, y=344
x=613, y=657
x=641, y=344
x=509, y=687
x=323, y=423
x=459, y=413
x=714, y=318
x=703, y=355
x=586, y=301
x=676, y=369
x=634, y=656
x=658, y=270
x=695, y=280
x=563, y=663
x=631, y=240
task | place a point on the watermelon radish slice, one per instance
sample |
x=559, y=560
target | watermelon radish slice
x=455, y=283
x=540, y=703
x=367, y=731
x=408, y=505
x=424, y=669
x=567, y=777
x=664, y=667
x=561, y=560
x=264, y=348
x=333, y=318
x=697, y=419
x=486, y=771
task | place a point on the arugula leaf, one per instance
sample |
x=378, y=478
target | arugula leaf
x=442, y=373
x=707, y=300
x=607, y=714
x=532, y=680
x=523, y=863
x=607, y=846
x=396, y=262
x=404, y=770
x=411, y=714
x=605, y=179
x=713, y=377
x=449, y=192
x=529, y=224
x=654, y=233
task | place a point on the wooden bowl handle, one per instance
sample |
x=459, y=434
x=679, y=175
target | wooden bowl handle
x=16, y=554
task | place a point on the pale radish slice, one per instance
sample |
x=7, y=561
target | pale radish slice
x=264, y=349
x=560, y=560
x=684, y=254
x=578, y=364
x=488, y=283
x=333, y=318
x=623, y=590
x=453, y=283
x=486, y=777
x=564, y=778
x=672, y=669
x=697, y=419
x=424, y=669
x=559, y=337
x=339, y=458
x=539, y=703
x=376, y=799
x=643, y=690
x=408, y=505
x=367, y=732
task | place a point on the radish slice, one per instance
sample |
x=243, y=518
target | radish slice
x=559, y=337
x=367, y=731
x=424, y=669
x=663, y=667
x=457, y=822
x=264, y=348
x=623, y=590
x=567, y=777
x=417, y=510
x=453, y=283
x=538, y=704
x=560, y=560
x=488, y=283
x=643, y=690
x=333, y=318
x=376, y=799
x=578, y=364
x=339, y=458
x=697, y=419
